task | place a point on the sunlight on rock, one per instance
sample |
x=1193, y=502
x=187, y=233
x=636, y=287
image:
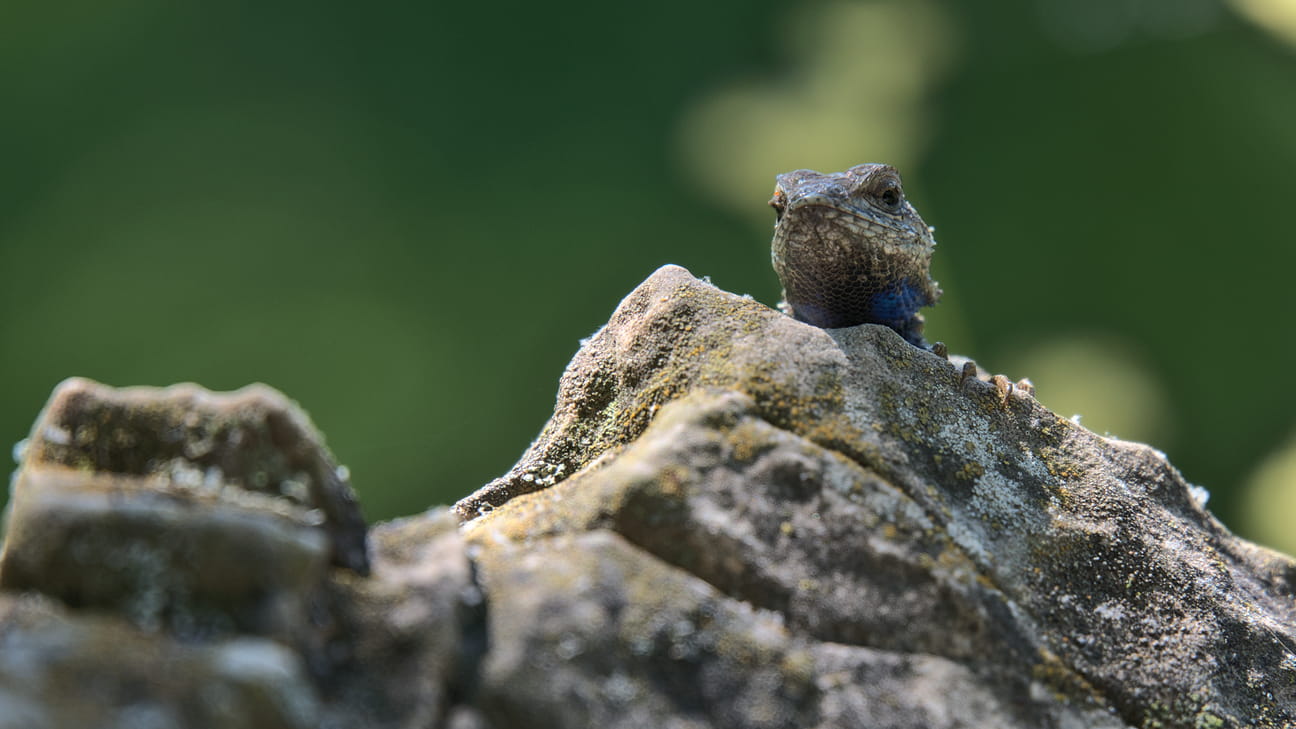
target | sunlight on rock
x=1269, y=500
x=1275, y=16
x=1103, y=381
x=852, y=88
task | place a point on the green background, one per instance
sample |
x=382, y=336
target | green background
x=406, y=216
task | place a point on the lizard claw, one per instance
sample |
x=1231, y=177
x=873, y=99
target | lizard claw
x=1004, y=387
x=940, y=350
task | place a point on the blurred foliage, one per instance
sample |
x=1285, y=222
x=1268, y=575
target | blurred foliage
x=406, y=215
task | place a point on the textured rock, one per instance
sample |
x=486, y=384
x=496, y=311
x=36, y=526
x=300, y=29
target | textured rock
x=58, y=670
x=212, y=539
x=414, y=630
x=251, y=448
x=201, y=513
x=732, y=520
x=947, y=559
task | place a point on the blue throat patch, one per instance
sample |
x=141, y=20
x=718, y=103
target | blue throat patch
x=897, y=304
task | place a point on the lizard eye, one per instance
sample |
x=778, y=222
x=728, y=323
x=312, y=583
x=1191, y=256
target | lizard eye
x=889, y=198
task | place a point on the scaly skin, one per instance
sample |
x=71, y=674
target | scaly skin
x=849, y=249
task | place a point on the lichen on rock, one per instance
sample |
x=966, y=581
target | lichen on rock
x=856, y=487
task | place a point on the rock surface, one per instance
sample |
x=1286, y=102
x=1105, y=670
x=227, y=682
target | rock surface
x=252, y=448
x=732, y=520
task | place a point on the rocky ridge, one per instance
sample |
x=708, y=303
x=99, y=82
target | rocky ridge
x=732, y=519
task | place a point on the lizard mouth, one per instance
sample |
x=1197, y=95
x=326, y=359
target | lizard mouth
x=804, y=221
x=845, y=216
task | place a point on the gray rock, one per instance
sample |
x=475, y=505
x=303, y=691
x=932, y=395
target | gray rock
x=413, y=630
x=213, y=537
x=252, y=448
x=731, y=520
x=587, y=630
x=947, y=558
x=198, y=513
x=84, y=670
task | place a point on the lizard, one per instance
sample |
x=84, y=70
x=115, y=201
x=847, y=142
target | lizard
x=850, y=249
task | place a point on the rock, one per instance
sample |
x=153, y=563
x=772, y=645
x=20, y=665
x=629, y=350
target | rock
x=624, y=640
x=252, y=448
x=907, y=529
x=732, y=520
x=203, y=514
x=62, y=670
x=414, y=629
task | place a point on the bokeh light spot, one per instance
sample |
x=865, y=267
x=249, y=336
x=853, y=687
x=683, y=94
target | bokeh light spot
x=1269, y=500
x=1278, y=17
x=853, y=90
x=1101, y=379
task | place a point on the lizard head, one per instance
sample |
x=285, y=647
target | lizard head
x=849, y=248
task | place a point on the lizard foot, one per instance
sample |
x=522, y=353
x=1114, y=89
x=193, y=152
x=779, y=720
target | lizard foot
x=1005, y=388
x=940, y=350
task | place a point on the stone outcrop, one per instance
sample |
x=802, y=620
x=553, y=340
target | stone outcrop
x=731, y=520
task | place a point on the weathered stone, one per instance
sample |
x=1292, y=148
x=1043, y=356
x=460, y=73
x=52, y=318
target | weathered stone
x=732, y=520
x=253, y=448
x=414, y=629
x=620, y=639
x=199, y=513
x=851, y=484
x=81, y=670
x=210, y=521
x=191, y=566
x=850, y=577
